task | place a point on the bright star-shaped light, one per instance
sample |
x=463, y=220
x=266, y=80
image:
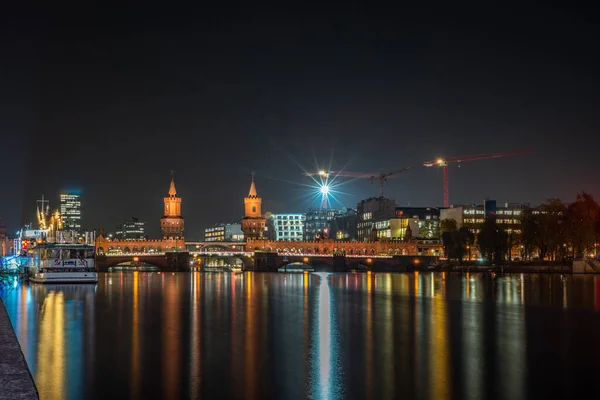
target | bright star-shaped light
x=324, y=189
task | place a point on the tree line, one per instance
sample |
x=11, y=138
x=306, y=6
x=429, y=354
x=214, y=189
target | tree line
x=554, y=231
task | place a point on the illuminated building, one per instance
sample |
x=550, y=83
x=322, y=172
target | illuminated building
x=424, y=221
x=343, y=226
x=172, y=223
x=472, y=216
x=370, y=211
x=224, y=232
x=70, y=209
x=286, y=226
x=317, y=222
x=253, y=223
x=6, y=245
x=131, y=229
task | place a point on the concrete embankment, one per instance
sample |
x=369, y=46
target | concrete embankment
x=15, y=380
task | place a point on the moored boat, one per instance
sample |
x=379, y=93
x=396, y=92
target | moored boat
x=63, y=263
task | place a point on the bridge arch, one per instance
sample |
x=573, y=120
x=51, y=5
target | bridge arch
x=214, y=247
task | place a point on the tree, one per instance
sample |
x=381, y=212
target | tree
x=447, y=230
x=448, y=225
x=456, y=241
x=553, y=225
x=467, y=240
x=493, y=241
x=529, y=230
x=582, y=218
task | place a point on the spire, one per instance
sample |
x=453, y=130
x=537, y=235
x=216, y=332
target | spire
x=172, y=191
x=252, y=192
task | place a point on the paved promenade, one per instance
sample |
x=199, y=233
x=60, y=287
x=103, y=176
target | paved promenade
x=15, y=380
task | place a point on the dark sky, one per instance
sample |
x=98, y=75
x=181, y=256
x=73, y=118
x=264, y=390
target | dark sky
x=109, y=100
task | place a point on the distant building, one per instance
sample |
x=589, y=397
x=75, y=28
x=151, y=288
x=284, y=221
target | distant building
x=317, y=222
x=6, y=245
x=425, y=221
x=224, y=232
x=131, y=229
x=370, y=211
x=344, y=225
x=288, y=226
x=509, y=215
x=70, y=209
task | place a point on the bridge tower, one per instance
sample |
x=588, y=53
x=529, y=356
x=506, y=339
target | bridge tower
x=172, y=222
x=253, y=223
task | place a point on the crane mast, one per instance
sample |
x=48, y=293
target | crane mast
x=443, y=163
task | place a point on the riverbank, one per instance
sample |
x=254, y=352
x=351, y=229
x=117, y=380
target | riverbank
x=519, y=269
x=16, y=381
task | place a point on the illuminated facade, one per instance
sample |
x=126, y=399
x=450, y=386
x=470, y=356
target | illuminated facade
x=224, y=233
x=508, y=216
x=253, y=223
x=343, y=226
x=371, y=211
x=317, y=222
x=286, y=226
x=172, y=223
x=70, y=209
x=423, y=221
x=132, y=229
x=328, y=246
x=6, y=245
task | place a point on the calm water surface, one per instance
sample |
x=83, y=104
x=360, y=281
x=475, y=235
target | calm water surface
x=323, y=336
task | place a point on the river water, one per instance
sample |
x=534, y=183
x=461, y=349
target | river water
x=322, y=336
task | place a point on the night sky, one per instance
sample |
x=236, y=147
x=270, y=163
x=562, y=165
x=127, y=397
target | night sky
x=109, y=100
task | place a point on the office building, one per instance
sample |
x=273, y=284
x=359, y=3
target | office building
x=224, y=232
x=472, y=216
x=131, y=229
x=286, y=226
x=370, y=211
x=425, y=221
x=317, y=222
x=343, y=226
x=70, y=209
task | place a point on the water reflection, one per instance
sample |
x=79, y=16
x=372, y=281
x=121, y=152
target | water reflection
x=323, y=336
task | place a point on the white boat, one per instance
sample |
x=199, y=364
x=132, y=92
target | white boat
x=63, y=263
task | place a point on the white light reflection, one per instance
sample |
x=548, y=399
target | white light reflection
x=326, y=387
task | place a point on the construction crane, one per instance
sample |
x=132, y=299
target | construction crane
x=381, y=177
x=443, y=162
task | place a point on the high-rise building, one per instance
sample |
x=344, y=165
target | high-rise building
x=172, y=223
x=286, y=226
x=224, y=232
x=131, y=229
x=317, y=222
x=253, y=223
x=70, y=209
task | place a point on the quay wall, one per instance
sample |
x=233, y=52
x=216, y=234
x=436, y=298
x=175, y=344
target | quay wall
x=16, y=381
